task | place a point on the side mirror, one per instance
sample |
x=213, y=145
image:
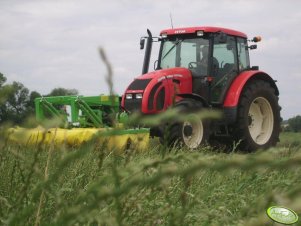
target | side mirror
x=253, y=47
x=142, y=42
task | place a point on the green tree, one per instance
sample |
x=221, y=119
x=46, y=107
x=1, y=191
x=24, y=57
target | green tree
x=295, y=123
x=62, y=92
x=14, y=108
x=30, y=104
x=17, y=103
x=4, y=90
x=2, y=79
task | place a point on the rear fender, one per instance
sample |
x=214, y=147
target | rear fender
x=237, y=86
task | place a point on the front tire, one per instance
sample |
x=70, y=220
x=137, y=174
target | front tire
x=258, y=124
x=190, y=133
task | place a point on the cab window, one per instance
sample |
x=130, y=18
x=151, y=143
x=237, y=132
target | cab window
x=243, y=54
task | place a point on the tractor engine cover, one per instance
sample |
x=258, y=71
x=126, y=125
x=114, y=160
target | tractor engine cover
x=155, y=91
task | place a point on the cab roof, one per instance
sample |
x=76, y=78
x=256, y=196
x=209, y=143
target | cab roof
x=191, y=30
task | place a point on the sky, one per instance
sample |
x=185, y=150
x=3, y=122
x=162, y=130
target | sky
x=47, y=44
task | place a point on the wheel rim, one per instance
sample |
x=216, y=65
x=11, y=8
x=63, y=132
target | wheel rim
x=195, y=137
x=260, y=120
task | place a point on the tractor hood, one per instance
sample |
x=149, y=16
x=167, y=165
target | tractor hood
x=167, y=73
x=180, y=76
x=155, y=91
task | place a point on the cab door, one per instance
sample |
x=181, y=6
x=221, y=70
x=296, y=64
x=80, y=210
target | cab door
x=224, y=66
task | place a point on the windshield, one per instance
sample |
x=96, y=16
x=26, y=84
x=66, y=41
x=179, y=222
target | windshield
x=183, y=52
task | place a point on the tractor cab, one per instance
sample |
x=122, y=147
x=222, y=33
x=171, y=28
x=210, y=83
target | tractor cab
x=214, y=56
x=194, y=62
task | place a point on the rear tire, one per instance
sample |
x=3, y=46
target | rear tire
x=188, y=133
x=258, y=124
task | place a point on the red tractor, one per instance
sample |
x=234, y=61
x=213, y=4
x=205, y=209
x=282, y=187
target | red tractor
x=207, y=68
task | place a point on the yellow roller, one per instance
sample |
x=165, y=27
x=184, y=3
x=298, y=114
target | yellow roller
x=119, y=139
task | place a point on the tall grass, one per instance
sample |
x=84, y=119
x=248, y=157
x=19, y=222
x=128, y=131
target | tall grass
x=53, y=186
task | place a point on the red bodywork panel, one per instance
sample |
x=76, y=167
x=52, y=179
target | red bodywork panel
x=179, y=81
x=233, y=94
x=191, y=30
x=175, y=80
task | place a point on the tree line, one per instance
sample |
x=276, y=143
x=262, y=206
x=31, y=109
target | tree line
x=293, y=124
x=17, y=102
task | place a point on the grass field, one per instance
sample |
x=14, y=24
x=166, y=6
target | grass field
x=87, y=186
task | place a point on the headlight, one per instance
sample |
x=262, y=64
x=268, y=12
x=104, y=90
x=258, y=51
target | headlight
x=139, y=96
x=200, y=33
x=128, y=96
x=164, y=35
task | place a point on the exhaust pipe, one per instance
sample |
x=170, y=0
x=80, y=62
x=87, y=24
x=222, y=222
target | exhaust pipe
x=148, y=51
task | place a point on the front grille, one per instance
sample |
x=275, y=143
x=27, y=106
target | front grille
x=133, y=105
x=139, y=84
